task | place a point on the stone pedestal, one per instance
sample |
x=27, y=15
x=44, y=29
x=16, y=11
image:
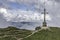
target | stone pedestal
x=44, y=28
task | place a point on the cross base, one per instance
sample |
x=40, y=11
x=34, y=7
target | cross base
x=45, y=28
x=44, y=24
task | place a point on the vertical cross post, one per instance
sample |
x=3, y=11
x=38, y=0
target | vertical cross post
x=44, y=22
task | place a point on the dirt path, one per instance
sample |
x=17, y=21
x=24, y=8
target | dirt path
x=30, y=34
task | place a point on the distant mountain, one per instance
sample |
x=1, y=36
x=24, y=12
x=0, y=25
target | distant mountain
x=19, y=24
x=25, y=25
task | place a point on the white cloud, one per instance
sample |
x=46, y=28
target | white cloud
x=12, y=0
x=20, y=15
x=5, y=13
x=48, y=17
x=3, y=10
x=52, y=7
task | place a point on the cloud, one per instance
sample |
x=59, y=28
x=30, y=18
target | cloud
x=20, y=15
x=5, y=13
x=2, y=10
x=35, y=8
x=57, y=0
x=3, y=22
x=48, y=17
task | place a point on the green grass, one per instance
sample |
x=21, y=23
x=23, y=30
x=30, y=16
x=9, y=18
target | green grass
x=8, y=38
x=13, y=33
x=54, y=34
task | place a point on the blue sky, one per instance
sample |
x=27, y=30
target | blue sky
x=22, y=6
x=29, y=11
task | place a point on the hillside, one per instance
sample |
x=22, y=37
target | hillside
x=12, y=33
x=54, y=34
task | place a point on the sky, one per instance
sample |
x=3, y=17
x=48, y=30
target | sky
x=18, y=12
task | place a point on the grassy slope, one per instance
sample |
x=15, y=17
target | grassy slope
x=54, y=34
x=12, y=33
